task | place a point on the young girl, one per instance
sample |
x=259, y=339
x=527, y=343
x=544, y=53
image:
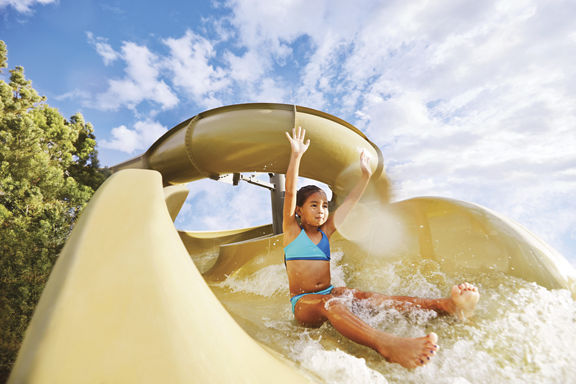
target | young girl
x=307, y=254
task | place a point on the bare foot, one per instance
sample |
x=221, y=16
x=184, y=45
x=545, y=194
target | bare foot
x=464, y=298
x=408, y=352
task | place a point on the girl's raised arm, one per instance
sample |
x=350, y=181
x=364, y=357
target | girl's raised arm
x=352, y=198
x=298, y=147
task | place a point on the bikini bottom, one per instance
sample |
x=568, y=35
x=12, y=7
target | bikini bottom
x=294, y=299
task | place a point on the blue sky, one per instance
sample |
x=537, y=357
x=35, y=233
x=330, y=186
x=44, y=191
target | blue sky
x=470, y=100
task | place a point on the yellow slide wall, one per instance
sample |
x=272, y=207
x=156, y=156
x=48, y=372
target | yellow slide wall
x=125, y=304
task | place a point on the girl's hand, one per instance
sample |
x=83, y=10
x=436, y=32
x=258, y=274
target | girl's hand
x=365, y=164
x=297, y=141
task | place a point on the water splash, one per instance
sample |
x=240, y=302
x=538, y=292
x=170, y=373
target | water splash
x=268, y=281
x=522, y=332
x=334, y=366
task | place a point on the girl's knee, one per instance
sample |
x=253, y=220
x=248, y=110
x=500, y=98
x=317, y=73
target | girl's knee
x=309, y=311
x=333, y=303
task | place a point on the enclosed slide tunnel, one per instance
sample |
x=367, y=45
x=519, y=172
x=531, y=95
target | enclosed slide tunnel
x=126, y=303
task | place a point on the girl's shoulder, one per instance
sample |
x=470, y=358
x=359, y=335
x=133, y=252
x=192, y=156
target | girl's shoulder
x=291, y=233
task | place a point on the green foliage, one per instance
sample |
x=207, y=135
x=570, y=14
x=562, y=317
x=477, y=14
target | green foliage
x=48, y=171
x=3, y=55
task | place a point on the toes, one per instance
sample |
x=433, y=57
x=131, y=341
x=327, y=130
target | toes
x=432, y=338
x=456, y=290
x=422, y=360
x=466, y=287
x=423, y=352
x=425, y=358
x=429, y=351
x=431, y=347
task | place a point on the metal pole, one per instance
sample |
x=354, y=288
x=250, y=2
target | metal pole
x=277, y=197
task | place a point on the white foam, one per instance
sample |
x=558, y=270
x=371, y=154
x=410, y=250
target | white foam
x=334, y=366
x=205, y=260
x=337, y=269
x=268, y=281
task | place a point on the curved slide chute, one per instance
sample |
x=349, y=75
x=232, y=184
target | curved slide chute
x=459, y=237
x=126, y=303
x=250, y=138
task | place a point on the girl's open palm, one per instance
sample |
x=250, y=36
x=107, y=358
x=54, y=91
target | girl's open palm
x=297, y=140
x=365, y=163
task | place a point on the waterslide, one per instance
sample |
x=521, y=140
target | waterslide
x=133, y=300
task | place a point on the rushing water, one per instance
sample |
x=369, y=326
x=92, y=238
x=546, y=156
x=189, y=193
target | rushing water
x=522, y=333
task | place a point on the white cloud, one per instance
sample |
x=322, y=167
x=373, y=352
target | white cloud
x=476, y=102
x=189, y=63
x=268, y=23
x=141, y=83
x=75, y=94
x=105, y=50
x=246, y=68
x=24, y=6
x=270, y=91
x=217, y=206
x=140, y=137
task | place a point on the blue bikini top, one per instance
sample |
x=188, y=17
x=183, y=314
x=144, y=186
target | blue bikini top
x=302, y=248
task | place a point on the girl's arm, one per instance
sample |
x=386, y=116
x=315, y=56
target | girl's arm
x=351, y=199
x=298, y=147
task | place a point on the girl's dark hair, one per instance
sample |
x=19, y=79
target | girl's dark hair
x=305, y=192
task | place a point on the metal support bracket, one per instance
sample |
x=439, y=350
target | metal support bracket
x=277, y=189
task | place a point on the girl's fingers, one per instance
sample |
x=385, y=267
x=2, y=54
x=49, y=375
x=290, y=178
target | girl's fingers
x=365, y=162
x=298, y=133
x=364, y=158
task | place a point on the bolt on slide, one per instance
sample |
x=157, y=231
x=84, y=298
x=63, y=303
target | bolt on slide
x=129, y=302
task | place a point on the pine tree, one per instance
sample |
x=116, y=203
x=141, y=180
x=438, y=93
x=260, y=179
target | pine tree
x=48, y=171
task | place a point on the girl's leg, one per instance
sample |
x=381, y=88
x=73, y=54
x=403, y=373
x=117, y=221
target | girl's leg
x=461, y=303
x=313, y=310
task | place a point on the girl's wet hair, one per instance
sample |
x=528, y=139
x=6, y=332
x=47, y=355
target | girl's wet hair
x=305, y=192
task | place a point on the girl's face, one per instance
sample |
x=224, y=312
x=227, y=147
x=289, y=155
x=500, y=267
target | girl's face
x=314, y=211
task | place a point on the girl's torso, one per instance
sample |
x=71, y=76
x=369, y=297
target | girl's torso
x=308, y=262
